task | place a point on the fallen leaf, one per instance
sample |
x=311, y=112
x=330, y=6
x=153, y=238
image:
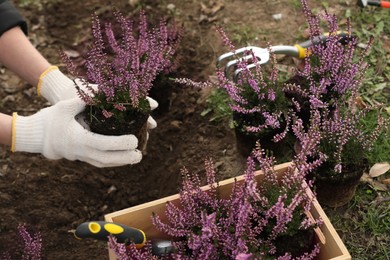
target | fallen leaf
x=386, y=181
x=359, y=103
x=133, y=3
x=72, y=53
x=378, y=186
x=379, y=169
x=365, y=178
x=213, y=79
x=216, y=7
x=306, y=33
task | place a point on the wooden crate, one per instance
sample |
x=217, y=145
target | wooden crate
x=139, y=217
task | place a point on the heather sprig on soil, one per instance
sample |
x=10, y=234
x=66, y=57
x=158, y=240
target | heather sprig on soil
x=124, y=63
x=31, y=246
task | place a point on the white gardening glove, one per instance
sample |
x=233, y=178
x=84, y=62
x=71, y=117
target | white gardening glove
x=56, y=134
x=54, y=86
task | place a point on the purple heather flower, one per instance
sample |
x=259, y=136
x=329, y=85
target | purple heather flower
x=32, y=244
x=225, y=39
x=244, y=256
x=107, y=114
x=5, y=256
x=255, y=91
x=125, y=63
x=237, y=226
x=208, y=224
x=130, y=252
x=120, y=107
x=334, y=74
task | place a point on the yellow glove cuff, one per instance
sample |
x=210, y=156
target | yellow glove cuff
x=13, y=133
x=42, y=76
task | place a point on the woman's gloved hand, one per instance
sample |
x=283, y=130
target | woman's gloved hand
x=55, y=86
x=55, y=133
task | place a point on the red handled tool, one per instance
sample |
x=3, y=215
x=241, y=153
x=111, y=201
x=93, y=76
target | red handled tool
x=364, y=3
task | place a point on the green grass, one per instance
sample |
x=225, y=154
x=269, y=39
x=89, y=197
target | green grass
x=242, y=35
x=217, y=107
x=366, y=23
x=381, y=148
x=364, y=224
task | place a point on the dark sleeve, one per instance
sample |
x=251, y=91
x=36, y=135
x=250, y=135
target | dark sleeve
x=10, y=17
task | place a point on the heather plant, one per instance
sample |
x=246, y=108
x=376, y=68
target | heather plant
x=130, y=252
x=122, y=65
x=346, y=141
x=333, y=74
x=255, y=221
x=31, y=246
x=255, y=97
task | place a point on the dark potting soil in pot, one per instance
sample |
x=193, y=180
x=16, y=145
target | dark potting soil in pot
x=333, y=189
x=133, y=122
x=246, y=141
x=162, y=92
x=294, y=240
x=304, y=102
x=298, y=244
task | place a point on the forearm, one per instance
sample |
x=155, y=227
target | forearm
x=30, y=64
x=5, y=129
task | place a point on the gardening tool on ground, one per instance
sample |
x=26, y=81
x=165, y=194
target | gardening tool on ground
x=364, y=3
x=229, y=60
x=101, y=230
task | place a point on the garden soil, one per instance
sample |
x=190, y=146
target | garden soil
x=53, y=197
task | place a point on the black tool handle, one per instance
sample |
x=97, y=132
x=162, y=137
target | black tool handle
x=102, y=229
x=344, y=39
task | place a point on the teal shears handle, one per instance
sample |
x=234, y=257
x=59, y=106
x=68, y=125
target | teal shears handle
x=101, y=230
x=345, y=38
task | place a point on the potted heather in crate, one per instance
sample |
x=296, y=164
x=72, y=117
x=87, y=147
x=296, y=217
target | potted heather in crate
x=254, y=216
x=328, y=88
x=121, y=67
x=258, y=220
